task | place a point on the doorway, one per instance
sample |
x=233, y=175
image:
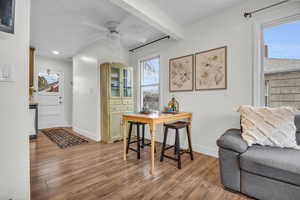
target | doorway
x=50, y=98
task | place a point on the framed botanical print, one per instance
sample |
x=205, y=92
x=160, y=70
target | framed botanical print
x=211, y=69
x=7, y=16
x=181, y=74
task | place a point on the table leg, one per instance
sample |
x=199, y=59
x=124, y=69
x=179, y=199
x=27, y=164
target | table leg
x=190, y=124
x=190, y=127
x=152, y=133
x=124, y=125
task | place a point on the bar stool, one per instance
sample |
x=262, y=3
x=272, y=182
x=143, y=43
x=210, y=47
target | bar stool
x=177, y=126
x=139, y=140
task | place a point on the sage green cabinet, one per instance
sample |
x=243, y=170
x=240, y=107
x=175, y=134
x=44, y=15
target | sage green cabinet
x=127, y=82
x=116, y=84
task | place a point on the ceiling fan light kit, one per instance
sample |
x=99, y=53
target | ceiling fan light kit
x=113, y=36
x=112, y=26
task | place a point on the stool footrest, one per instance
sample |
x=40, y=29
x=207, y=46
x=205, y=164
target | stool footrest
x=170, y=157
x=134, y=141
x=169, y=147
x=185, y=151
x=148, y=144
x=133, y=149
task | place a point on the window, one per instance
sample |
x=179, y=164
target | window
x=149, y=92
x=283, y=41
x=281, y=65
x=48, y=81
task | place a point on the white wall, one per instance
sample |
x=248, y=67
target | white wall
x=86, y=88
x=14, y=112
x=213, y=111
x=66, y=68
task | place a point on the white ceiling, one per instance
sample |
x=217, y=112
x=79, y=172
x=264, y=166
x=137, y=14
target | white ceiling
x=60, y=25
x=189, y=11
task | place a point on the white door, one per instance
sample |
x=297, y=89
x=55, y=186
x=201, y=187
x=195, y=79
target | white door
x=50, y=98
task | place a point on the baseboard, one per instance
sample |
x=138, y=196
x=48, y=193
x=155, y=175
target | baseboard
x=86, y=133
x=205, y=150
x=197, y=148
x=58, y=126
x=66, y=125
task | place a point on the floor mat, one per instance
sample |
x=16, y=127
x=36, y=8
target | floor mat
x=63, y=138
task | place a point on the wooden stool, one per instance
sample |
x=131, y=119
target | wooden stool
x=177, y=125
x=138, y=141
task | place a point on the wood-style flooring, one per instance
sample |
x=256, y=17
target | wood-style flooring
x=96, y=171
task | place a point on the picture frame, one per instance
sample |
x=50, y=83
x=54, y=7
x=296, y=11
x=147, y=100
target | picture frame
x=181, y=74
x=7, y=16
x=211, y=69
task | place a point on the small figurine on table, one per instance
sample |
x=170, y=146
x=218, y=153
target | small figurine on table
x=173, y=106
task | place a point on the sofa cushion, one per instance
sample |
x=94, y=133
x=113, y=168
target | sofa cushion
x=273, y=162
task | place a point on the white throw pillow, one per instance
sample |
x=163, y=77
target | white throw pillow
x=269, y=126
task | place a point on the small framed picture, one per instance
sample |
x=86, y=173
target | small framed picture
x=211, y=69
x=7, y=16
x=181, y=74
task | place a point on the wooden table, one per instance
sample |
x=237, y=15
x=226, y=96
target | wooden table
x=152, y=121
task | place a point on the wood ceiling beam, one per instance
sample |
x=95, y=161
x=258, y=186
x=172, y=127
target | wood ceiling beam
x=151, y=14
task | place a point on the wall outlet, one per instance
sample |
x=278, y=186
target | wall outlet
x=6, y=73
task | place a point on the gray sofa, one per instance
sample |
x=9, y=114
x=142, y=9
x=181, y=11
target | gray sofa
x=266, y=173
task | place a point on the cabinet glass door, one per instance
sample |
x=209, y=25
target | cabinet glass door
x=127, y=83
x=115, y=75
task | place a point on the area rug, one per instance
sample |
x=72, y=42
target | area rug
x=63, y=138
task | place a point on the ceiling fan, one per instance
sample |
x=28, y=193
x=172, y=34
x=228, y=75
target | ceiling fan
x=114, y=31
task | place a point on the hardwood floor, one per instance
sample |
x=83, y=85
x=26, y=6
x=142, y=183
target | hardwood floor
x=96, y=171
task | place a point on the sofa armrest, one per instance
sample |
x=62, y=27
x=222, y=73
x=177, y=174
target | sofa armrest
x=232, y=140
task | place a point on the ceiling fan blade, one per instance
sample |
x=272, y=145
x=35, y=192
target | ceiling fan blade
x=133, y=37
x=93, y=39
x=125, y=23
x=95, y=26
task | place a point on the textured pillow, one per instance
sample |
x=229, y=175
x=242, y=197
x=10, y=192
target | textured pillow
x=269, y=126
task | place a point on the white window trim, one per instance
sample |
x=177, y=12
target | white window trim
x=258, y=41
x=139, y=80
